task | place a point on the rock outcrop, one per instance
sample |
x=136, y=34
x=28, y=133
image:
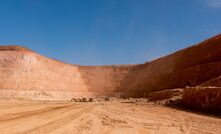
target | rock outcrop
x=204, y=99
x=26, y=74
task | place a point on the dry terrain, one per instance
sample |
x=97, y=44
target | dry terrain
x=114, y=117
x=27, y=74
x=40, y=95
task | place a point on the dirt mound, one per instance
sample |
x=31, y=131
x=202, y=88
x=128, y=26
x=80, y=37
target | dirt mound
x=165, y=94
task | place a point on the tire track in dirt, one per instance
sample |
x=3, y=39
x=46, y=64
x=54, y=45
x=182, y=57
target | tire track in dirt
x=14, y=116
x=55, y=124
x=159, y=122
x=105, y=117
x=39, y=118
x=86, y=123
x=118, y=123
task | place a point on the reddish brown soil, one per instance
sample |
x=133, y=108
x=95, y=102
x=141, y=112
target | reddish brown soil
x=24, y=70
x=22, y=117
x=26, y=75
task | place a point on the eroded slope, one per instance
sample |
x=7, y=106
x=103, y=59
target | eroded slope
x=25, y=73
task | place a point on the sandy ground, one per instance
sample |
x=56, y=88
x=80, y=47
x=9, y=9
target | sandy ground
x=23, y=117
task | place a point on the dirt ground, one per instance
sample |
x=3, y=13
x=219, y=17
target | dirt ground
x=37, y=117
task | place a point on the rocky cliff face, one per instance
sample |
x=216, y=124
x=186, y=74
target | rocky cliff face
x=187, y=67
x=25, y=70
x=25, y=73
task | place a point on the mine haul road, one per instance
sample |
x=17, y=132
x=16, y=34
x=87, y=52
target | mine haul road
x=38, y=117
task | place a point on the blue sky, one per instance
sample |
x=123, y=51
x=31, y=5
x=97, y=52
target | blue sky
x=103, y=32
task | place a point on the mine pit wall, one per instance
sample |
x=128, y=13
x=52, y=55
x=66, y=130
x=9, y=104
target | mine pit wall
x=104, y=79
x=25, y=74
x=204, y=99
x=187, y=67
x=29, y=72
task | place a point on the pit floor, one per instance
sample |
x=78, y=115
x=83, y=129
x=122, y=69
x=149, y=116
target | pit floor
x=41, y=117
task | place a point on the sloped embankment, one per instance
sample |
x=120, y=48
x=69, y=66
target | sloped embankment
x=204, y=99
x=188, y=67
x=34, y=75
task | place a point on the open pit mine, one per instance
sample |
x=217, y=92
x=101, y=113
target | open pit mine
x=29, y=75
x=41, y=95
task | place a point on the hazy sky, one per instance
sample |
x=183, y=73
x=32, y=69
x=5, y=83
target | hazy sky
x=96, y=32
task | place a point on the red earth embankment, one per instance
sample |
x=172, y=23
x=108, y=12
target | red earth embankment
x=25, y=73
x=204, y=99
x=188, y=67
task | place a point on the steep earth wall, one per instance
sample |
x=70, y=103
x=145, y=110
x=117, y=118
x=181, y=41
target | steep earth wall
x=205, y=99
x=26, y=72
x=187, y=67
